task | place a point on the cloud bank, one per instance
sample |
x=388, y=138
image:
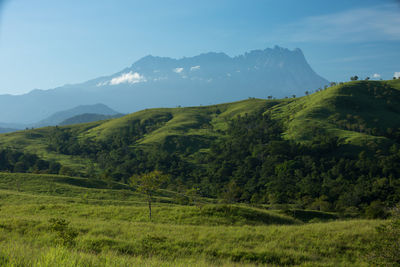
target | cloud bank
x=397, y=75
x=376, y=76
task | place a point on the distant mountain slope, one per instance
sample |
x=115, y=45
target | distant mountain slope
x=12, y=126
x=165, y=82
x=7, y=130
x=88, y=117
x=59, y=117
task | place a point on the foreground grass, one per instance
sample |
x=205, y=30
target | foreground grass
x=99, y=243
x=111, y=228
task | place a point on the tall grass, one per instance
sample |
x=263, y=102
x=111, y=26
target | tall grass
x=112, y=229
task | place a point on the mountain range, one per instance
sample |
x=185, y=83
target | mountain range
x=60, y=117
x=165, y=82
x=79, y=114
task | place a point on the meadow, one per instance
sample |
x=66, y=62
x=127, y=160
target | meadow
x=51, y=220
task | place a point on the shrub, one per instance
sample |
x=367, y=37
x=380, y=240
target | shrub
x=386, y=251
x=66, y=235
x=375, y=210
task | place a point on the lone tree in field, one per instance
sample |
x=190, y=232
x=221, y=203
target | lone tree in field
x=148, y=183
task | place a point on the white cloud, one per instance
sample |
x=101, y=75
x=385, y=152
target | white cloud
x=376, y=76
x=397, y=75
x=130, y=77
x=194, y=68
x=178, y=70
x=361, y=24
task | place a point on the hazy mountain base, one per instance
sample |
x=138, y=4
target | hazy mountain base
x=88, y=117
x=109, y=227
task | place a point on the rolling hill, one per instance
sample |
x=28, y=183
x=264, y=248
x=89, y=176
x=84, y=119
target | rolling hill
x=253, y=148
x=355, y=112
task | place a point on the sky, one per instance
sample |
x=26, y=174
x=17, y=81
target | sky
x=47, y=43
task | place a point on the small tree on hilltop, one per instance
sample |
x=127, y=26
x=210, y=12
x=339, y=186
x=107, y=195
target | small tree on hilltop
x=148, y=183
x=354, y=78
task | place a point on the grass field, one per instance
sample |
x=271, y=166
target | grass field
x=110, y=227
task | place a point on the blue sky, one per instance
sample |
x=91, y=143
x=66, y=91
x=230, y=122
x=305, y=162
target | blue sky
x=47, y=43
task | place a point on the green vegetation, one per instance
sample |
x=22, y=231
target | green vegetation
x=337, y=149
x=386, y=251
x=148, y=183
x=65, y=221
x=302, y=181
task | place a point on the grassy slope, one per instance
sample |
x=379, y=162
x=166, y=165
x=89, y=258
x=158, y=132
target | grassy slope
x=376, y=103
x=125, y=202
x=319, y=111
x=184, y=121
x=111, y=234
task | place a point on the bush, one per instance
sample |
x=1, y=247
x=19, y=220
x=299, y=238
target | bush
x=386, y=251
x=376, y=210
x=66, y=235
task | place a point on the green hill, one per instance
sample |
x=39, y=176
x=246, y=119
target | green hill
x=152, y=127
x=264, y=151
x=273, y=181
x=354, y=112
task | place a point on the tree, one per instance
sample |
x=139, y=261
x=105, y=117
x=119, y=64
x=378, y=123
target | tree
x=270, y=97
x=231, y=192
x=193, y=196
x=367, y=78
x=354, y=78
x=307, y=93
x=294, y=96
x=148, y=183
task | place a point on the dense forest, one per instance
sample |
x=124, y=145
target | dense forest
x=16, y=161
